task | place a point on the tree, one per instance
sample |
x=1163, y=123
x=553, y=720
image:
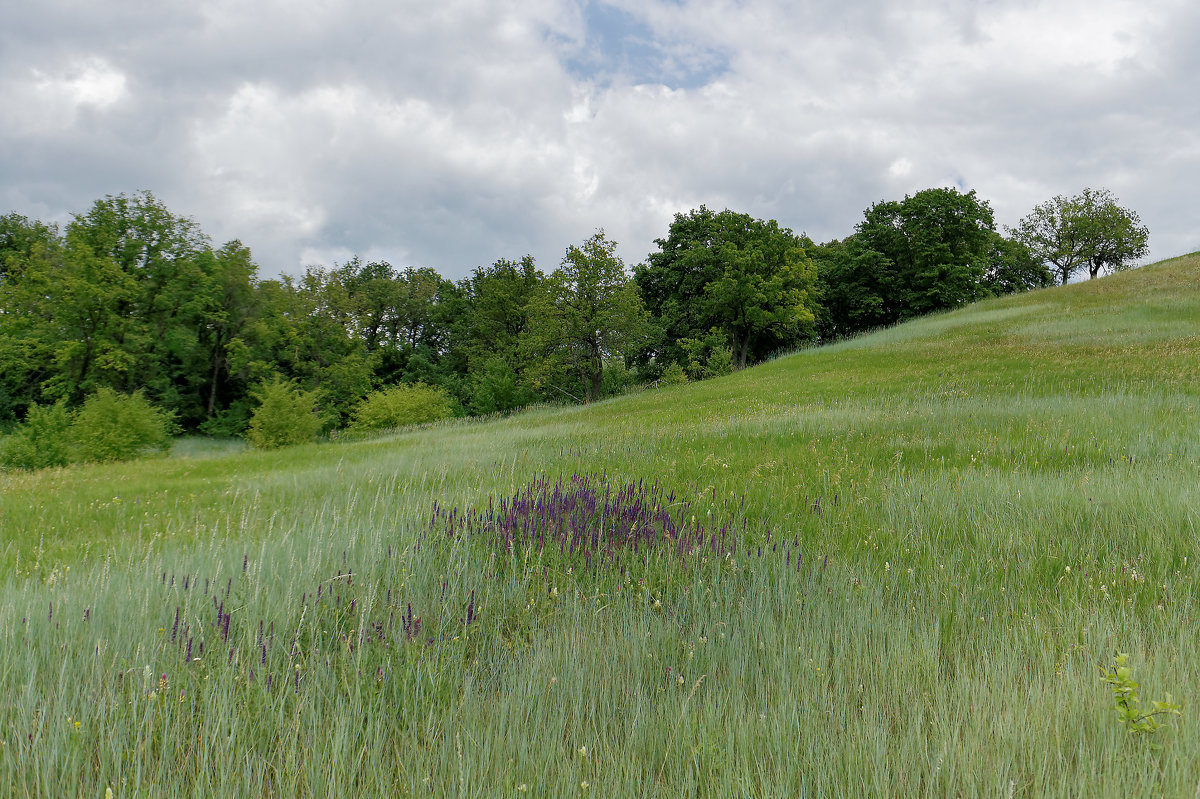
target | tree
x=487, y=332
x=65, y=320
x=855, y=289
x=154, y=324
x=588, y=310
x=747, y=278
x=925, y=253
x=24, y=356
x=20, y=238
x=1012, y=268
x=232, y=274
x=132, y=298
x=935, y=243
x=498, y=299
x=302, y=331
x=1088, y=230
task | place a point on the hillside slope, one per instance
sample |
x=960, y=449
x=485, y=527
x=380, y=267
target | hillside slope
x=906, y=556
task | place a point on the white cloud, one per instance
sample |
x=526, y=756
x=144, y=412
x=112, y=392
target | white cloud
x=455, y=133
x=48, y=100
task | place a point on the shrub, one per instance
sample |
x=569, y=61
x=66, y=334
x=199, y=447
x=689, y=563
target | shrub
x=401, y=405
x=674, y=375
x=719, y=362
x=495, y=388
x=231, y=422
x=707, y=357
x=285, y=416
x=42, y=440
x=113, y=427
x=1127, y=703
x=617, y=378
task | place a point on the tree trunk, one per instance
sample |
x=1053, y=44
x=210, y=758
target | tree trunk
x=216, y=371
x=742, y=351
x=595, y=384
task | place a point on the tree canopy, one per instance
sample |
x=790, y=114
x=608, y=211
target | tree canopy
x=130, y=297
x=925, y=253
x=1088, y=231
x=750, y=280
x=589, y=311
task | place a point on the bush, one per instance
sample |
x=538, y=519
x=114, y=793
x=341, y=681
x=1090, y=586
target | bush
x=617, y=378
x=231, y=422
x=496, y=388
x=707, y=357
x=113, y=427
x=41, y=441
x=673, y=375
x=285, y=416
x=401, y=405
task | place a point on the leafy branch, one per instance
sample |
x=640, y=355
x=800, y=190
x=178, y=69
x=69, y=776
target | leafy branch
x=1128, y=704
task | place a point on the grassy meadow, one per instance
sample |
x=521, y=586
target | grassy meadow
x=889, y=567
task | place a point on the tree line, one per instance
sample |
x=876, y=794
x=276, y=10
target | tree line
x=129, y=297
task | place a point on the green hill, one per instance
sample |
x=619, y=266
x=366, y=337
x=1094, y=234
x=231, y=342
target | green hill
x=887, y=567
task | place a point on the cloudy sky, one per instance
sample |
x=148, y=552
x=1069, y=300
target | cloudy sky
x=452, y=133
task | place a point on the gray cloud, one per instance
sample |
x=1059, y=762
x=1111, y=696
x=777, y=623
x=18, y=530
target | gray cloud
x=453, y=134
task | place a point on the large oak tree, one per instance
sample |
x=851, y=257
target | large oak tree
x=588, y=312
x=750, y=280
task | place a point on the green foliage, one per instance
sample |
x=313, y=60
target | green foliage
x=1128, y=704
x=114, y=427
x=707, y=357
x=285, y=416
x=400, y=406
x=20, y=239
x=42, y=440
x=492, y=318
x=587, y=311
x=854, y=286
x=132, y=297
x=497, y=307
x=618, y=378
x=674, y=375
x=496, y=388
x=230, y=422
x=928, y=252
x=342, y=385
x=108, y=427
x=1012, y=268
x=751, y=280
x=936, y=242
x=1088, y=230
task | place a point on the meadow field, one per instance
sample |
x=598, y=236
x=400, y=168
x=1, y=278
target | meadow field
x=895, y=566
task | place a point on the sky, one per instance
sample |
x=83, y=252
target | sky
x=455, y=133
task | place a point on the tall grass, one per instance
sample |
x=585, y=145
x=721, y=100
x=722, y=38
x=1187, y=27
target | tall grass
x=935, y=536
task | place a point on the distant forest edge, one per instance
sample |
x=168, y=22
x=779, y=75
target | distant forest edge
x=132, y=300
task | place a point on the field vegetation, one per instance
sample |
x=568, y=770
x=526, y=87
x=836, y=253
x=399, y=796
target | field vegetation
x=906, y=564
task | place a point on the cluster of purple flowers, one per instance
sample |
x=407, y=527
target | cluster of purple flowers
x=588, y=519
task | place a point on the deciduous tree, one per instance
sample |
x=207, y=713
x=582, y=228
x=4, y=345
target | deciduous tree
x=1088, y=231
x=750, y=279
x=588, y=310
x=925, y=253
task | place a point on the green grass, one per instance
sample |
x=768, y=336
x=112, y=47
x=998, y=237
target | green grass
x=988, y=503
